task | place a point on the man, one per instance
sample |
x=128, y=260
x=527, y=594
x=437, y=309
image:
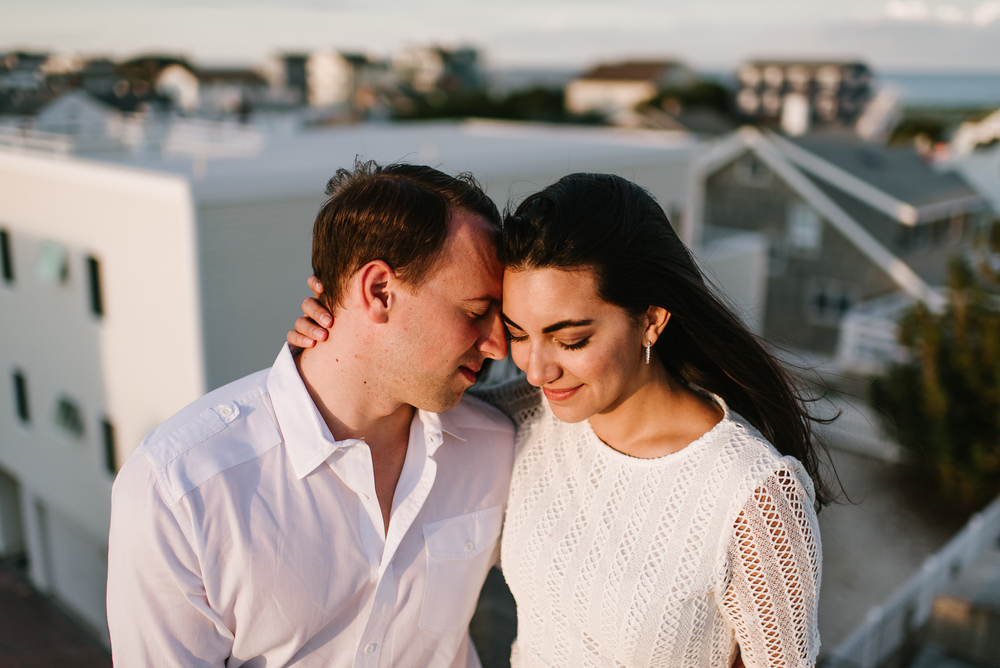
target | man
x=343, y=507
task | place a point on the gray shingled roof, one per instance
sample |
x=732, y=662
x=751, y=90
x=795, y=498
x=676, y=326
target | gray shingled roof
x=899, y=172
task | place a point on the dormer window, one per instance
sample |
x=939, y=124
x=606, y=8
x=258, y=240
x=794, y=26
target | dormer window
x=804, y=229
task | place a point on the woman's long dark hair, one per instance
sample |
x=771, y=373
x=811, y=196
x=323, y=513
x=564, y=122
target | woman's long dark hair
x=615, y=228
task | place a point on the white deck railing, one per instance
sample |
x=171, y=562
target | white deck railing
x=18, y=139
x=888, y=626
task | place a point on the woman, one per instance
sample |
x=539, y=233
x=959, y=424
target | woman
x=662, y=509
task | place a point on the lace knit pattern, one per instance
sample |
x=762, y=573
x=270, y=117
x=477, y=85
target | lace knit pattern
x=619, y=561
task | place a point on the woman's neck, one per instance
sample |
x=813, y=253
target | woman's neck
x=656, y=416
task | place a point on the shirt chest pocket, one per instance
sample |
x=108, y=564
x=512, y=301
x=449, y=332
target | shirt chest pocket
x=460, y=550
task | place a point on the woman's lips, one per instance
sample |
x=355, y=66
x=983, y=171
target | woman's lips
x=560, y=395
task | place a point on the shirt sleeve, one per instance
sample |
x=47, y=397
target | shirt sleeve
x=774, y=575
x=158, y=613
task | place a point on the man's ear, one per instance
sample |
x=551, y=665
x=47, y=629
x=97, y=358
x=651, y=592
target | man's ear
x=377, y=282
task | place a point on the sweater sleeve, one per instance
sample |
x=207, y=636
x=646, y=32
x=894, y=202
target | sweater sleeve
x=774, y=563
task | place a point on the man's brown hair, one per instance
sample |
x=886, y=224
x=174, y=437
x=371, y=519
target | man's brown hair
x=395, y=213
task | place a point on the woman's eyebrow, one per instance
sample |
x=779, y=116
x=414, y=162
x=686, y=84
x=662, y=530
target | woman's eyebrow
x=511, y=322
x=563, y=324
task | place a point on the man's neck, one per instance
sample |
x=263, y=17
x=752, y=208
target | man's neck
x=349, y=398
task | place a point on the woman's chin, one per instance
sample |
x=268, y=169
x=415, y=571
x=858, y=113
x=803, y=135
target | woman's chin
x=569, y=414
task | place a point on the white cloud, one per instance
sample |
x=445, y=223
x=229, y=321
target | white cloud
x=949, y=14
x=908, y=10
x=986, y=13
x=918, y=11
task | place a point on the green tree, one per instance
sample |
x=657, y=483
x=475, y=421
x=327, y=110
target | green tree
x=534, y=104
x=945, y=402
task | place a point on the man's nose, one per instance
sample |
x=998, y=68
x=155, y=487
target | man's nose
x=494, y=342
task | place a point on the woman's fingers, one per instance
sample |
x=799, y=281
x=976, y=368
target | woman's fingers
x=307, y=327
x=315, y=285
x=310, y=328
x=313, y=309
x=300, y=340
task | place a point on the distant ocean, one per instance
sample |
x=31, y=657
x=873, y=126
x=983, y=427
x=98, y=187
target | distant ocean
x=959, y=89
x=945, y=90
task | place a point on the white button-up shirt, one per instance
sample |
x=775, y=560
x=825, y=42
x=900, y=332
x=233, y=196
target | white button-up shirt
x=243, y=534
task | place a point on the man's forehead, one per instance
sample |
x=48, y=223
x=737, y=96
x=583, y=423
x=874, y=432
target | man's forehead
x=472, y=235
x=462, y=223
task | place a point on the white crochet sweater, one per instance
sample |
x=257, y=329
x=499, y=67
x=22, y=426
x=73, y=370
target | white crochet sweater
x=619, y=561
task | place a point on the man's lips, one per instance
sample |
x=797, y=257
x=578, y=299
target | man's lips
x=560, y=395
x=468, y=373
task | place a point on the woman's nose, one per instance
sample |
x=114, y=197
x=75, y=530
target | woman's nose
x=542, y=368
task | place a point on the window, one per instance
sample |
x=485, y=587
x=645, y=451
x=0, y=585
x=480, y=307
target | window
x=777, y=257
x=770, y=100
x=828, y=300
x=750, y=76
x=110, y=456
x=747, y=101
x=6, y=257
x=53, y=263
x=750, y=171
x=774, y=76
x=21, y=396
x=956, y=229
x=94, y=277
x=804, y=229
x=69, y=418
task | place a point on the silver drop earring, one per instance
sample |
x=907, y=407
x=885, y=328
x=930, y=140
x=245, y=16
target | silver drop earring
x=648, y=344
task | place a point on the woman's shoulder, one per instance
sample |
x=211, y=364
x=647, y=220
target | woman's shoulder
x=516, y=398
x=755, y=461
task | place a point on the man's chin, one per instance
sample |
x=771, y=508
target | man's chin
x=440, y=403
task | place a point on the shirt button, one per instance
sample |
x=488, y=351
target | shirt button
x=369, y=648
x=225, y=411
x=470, y=546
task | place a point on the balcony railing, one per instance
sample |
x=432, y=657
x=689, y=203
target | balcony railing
x=888, y=626
x=18, y=139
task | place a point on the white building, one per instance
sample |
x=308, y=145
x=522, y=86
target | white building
x=975, y=154
x=92, y=255
x=132, y=287
x=92, y=125
x=180, y=84
x=607, y=89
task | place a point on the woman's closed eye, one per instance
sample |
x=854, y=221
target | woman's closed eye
x=574, y=346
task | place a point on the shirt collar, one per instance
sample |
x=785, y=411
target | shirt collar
x=436, y=424
x=308, y=439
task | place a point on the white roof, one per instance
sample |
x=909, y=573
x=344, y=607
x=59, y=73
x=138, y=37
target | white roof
x=301, y=163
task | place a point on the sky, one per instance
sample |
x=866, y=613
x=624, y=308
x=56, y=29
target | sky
x=917, y=35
